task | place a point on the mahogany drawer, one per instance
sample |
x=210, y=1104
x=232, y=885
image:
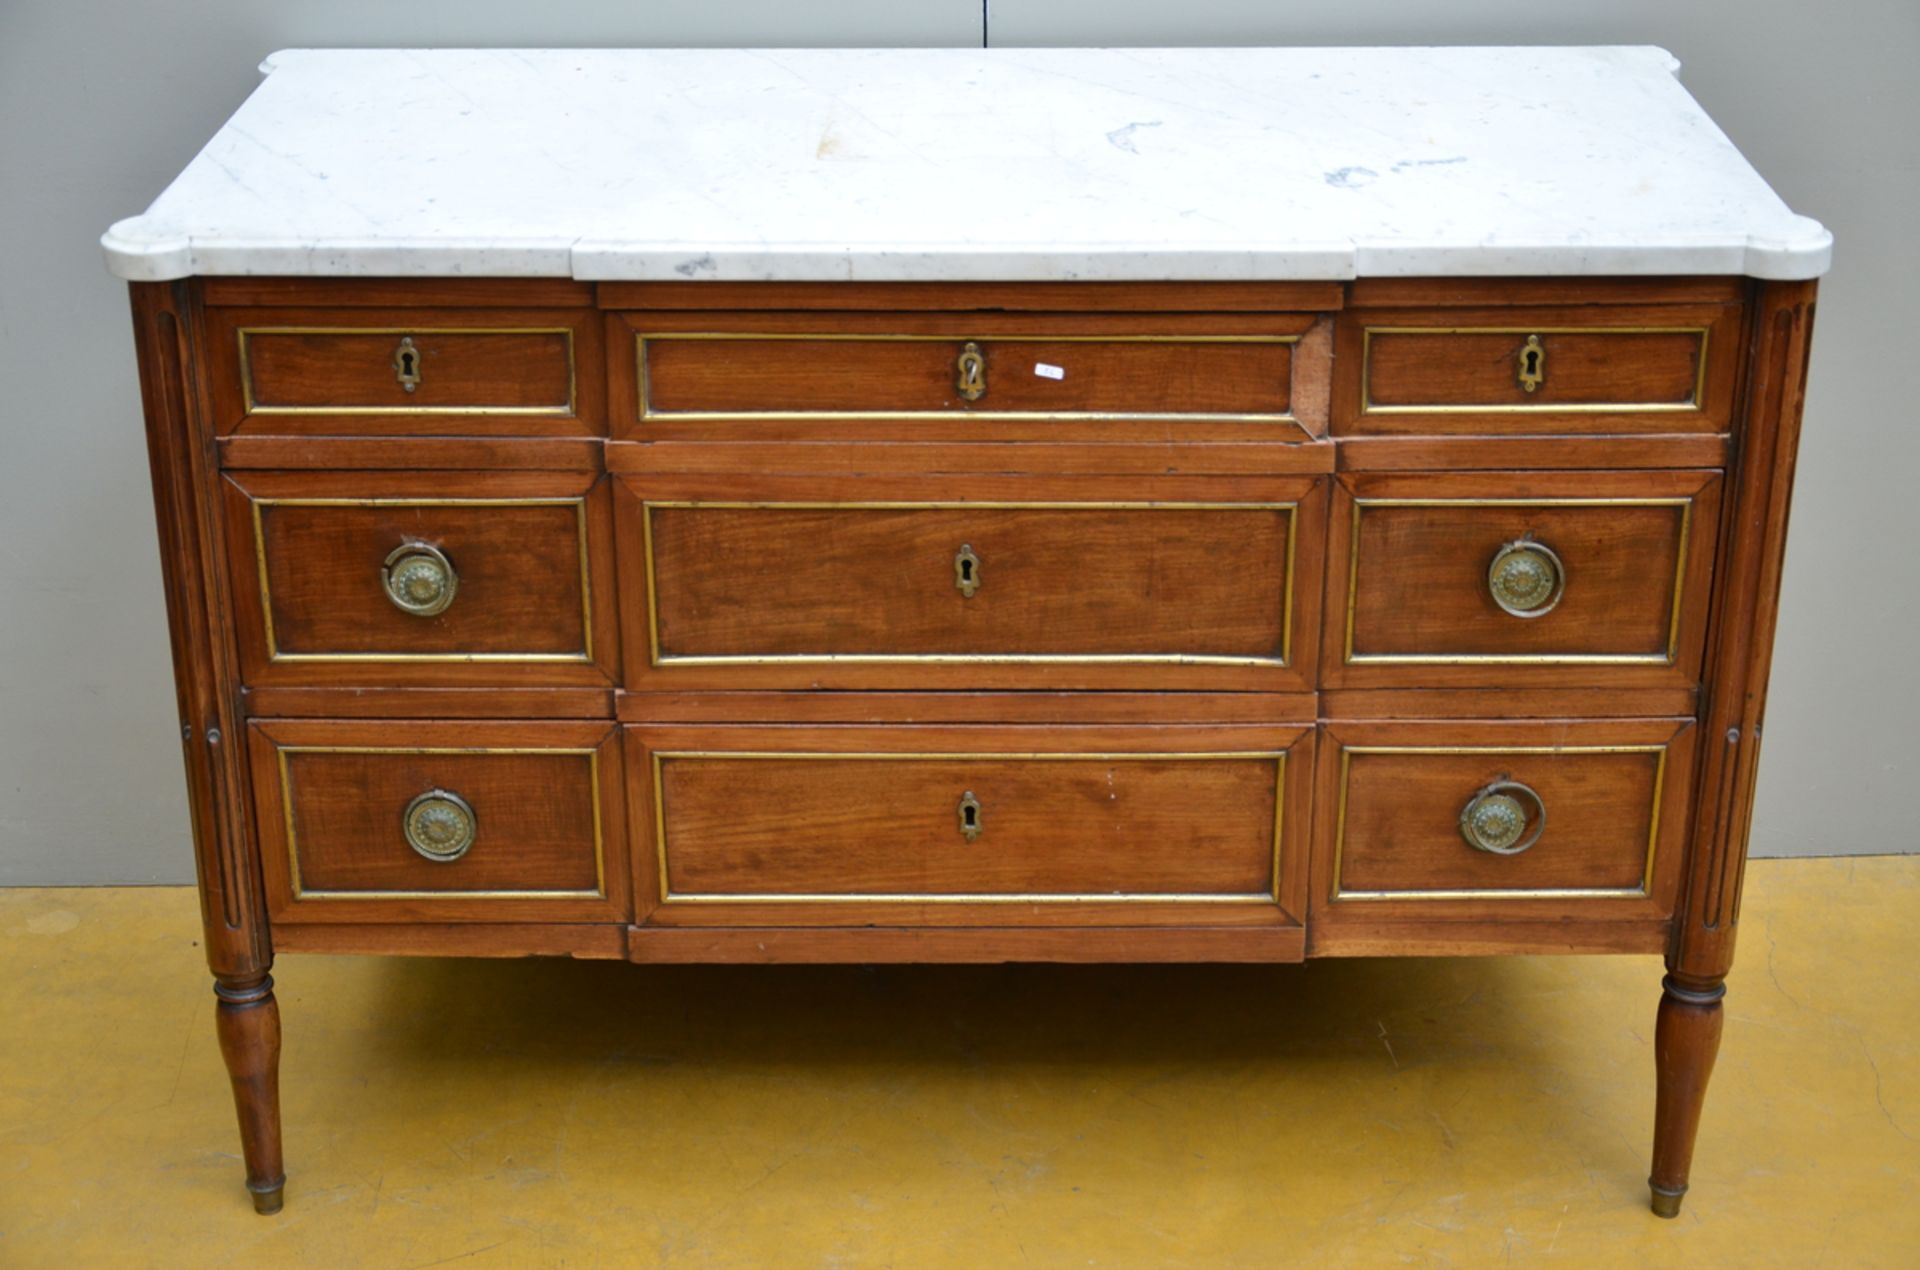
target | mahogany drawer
x=1591, y=369
x=932, y=826
x=470, y=821
x=1549, y=818
x=1495, y=580
x=970, y=583
x=456, y=372
x=975, y=376
x=422, y=580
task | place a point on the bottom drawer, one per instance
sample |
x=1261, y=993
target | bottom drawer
x=1503, y=819
x=489, y=822
x=966, y=826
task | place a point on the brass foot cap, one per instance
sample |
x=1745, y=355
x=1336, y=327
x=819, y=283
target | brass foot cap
x=268, y=1200
x=1667, y=1203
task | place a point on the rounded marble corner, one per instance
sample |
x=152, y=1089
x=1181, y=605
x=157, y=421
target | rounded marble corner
x=139, y=255
x=274, y=60
x=1806, y=254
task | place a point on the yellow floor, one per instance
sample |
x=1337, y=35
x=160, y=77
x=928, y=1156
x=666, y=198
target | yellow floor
x=1353, y=1113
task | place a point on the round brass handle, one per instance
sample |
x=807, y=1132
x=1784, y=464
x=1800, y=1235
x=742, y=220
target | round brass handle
x=439, y=825
x=419, y=579
x=1496, y=819
x=1526, y=578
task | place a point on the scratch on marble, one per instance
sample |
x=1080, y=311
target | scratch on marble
x=1351, y=178
x=1122, y=138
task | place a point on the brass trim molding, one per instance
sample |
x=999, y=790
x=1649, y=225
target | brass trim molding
x=1698, y=401
x=655, y=658
x=251, y=406
x=592, y=755
x=275, y=655
x=646, y=411
x=1681, y=548
x=1338, y=895
x=656, y=760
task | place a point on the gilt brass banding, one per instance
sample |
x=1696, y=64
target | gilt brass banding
x=1533, y=335
x=1666, y=657
x=658, y=760
x=656, y=658
x=1338, y=891
x=251, y=405
x=647, y=411
x=301, y=892
x=275, y=654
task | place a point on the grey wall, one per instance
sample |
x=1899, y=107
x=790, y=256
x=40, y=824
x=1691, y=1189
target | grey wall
x=101, y=103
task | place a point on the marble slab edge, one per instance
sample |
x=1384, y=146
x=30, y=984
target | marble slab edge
x=139, y=257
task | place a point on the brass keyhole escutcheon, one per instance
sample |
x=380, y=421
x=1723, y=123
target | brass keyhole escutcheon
x=969, y=810
x=406, y=364
x=966, y=571
x=970, y=373
x=1532, y=370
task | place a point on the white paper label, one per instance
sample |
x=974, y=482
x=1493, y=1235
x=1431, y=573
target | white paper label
x=1048, y=371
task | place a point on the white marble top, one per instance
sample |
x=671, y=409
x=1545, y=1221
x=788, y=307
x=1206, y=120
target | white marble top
x=969, y=164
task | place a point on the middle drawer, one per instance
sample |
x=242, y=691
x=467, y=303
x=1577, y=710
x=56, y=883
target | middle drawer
x=970, y=583
x=970, y=825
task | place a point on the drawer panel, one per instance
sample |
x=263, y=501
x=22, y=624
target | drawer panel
x=1570, y=817
x=373, y=579
x=972, y=376
x=407, y=371
x=450, y=822
x=898, y=584
x=1522, y=577
x=943, y=826
x=1525, y=370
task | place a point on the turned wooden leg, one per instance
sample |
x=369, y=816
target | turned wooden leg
x=249, y=1022
x=1685, y=1039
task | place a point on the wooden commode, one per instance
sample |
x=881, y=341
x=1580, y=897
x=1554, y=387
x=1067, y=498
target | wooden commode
x=1200, y=505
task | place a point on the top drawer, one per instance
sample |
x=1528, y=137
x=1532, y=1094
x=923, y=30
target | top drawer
x=969, y=377
x=412, y=372
x=1528, y=369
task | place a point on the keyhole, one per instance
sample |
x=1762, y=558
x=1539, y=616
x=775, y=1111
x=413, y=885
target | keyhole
x=969, y=816
x=406, y=364
x=1533, y=364
x=966, y=570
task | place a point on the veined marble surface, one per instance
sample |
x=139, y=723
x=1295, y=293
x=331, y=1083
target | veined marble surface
x=969, y=164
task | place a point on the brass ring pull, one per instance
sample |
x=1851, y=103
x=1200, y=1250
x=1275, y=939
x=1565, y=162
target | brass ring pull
x=419, y=579
x=970, y=373
x=1495, y=819
x=970, y=816
x=439, y=825
x=1526, y=578
x=966, y=571
x=1530, y=366
x=406, y=364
